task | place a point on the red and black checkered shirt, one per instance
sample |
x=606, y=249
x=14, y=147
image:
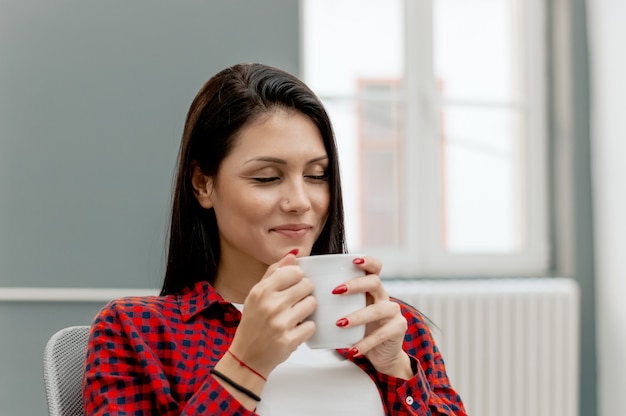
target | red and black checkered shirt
x=152, y=355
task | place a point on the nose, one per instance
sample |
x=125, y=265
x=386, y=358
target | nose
x=295, y=198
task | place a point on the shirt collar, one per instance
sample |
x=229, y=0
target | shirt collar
x=198, y=298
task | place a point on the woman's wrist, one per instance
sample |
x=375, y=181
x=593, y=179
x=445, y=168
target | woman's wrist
x=242, y=377
x=399, y=367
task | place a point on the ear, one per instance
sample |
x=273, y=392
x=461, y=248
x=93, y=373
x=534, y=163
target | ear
x=202, y=186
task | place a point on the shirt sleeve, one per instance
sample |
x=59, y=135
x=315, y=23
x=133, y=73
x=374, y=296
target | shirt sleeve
x=429, y=392
x=124, y=376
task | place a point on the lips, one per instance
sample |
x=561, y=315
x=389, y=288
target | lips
x=292, y=230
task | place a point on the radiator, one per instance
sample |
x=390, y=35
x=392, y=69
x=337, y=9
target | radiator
x=511, y=346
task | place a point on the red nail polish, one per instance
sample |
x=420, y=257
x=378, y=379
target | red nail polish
x=295, y=251
x=342, y=322
x=358, y=260
x=354, y=351
x=340, y=289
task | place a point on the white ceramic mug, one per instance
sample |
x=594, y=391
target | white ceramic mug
x=327, y=271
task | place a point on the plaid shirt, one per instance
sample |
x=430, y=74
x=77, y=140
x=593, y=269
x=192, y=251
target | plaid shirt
x=151, y=356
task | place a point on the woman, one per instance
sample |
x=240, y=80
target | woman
x=257, y=185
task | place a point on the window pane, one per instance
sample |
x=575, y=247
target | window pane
x=347, y=40
x=481, y=125
x=481, y=180
x=354, y=59
x=475, y=48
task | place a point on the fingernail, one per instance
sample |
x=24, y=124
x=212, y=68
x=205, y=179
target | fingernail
x=353, y=352
x=295, y=251
x=342, y=322
x=340, y=289
x=358, y=260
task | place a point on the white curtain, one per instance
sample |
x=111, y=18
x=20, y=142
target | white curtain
x=607, y=53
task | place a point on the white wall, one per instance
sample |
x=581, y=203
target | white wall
x=607, y=33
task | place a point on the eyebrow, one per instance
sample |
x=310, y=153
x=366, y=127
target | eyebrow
x=282, y=161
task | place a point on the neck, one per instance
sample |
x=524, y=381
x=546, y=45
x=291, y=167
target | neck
x=236, y=276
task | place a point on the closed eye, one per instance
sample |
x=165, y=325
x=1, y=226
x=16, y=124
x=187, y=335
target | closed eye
x=323, y=177
x=265, y=180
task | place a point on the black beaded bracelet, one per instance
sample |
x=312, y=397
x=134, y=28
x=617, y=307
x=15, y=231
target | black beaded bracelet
x=235, y=385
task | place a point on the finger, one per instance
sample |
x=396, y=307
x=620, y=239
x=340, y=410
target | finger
x=301, y=310
x=272, y=285
x=289, y=259
x=291, y=295
x=292, y=332
x=371, y=265
x=299, y=290
x=392, y=330
x=284, y=278
x=367, y=284
x=288, y=318
x=376, y=312
x=301, y=333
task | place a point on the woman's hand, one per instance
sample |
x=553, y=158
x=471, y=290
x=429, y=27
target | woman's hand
x=385, y=326
x=272, y=324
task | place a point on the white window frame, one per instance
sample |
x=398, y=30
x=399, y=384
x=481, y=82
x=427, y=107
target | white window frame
x=423, y=255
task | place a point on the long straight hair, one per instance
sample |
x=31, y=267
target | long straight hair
x=229, y=101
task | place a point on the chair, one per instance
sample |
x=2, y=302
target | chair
x=63, y=366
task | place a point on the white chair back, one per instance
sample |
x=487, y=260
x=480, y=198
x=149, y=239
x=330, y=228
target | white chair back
x=63, y=366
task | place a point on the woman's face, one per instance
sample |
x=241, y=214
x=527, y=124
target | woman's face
x=271, y=193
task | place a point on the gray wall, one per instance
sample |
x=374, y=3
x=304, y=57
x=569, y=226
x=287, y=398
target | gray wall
x=93, y=97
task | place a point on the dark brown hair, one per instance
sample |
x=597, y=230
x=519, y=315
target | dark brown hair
x=230, y=100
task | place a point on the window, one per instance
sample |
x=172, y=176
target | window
x=379, y=136
x=439, y=113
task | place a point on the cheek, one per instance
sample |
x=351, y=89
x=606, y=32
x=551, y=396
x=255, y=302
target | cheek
x=322, y=202
x=252, y=205
x=231, y=206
